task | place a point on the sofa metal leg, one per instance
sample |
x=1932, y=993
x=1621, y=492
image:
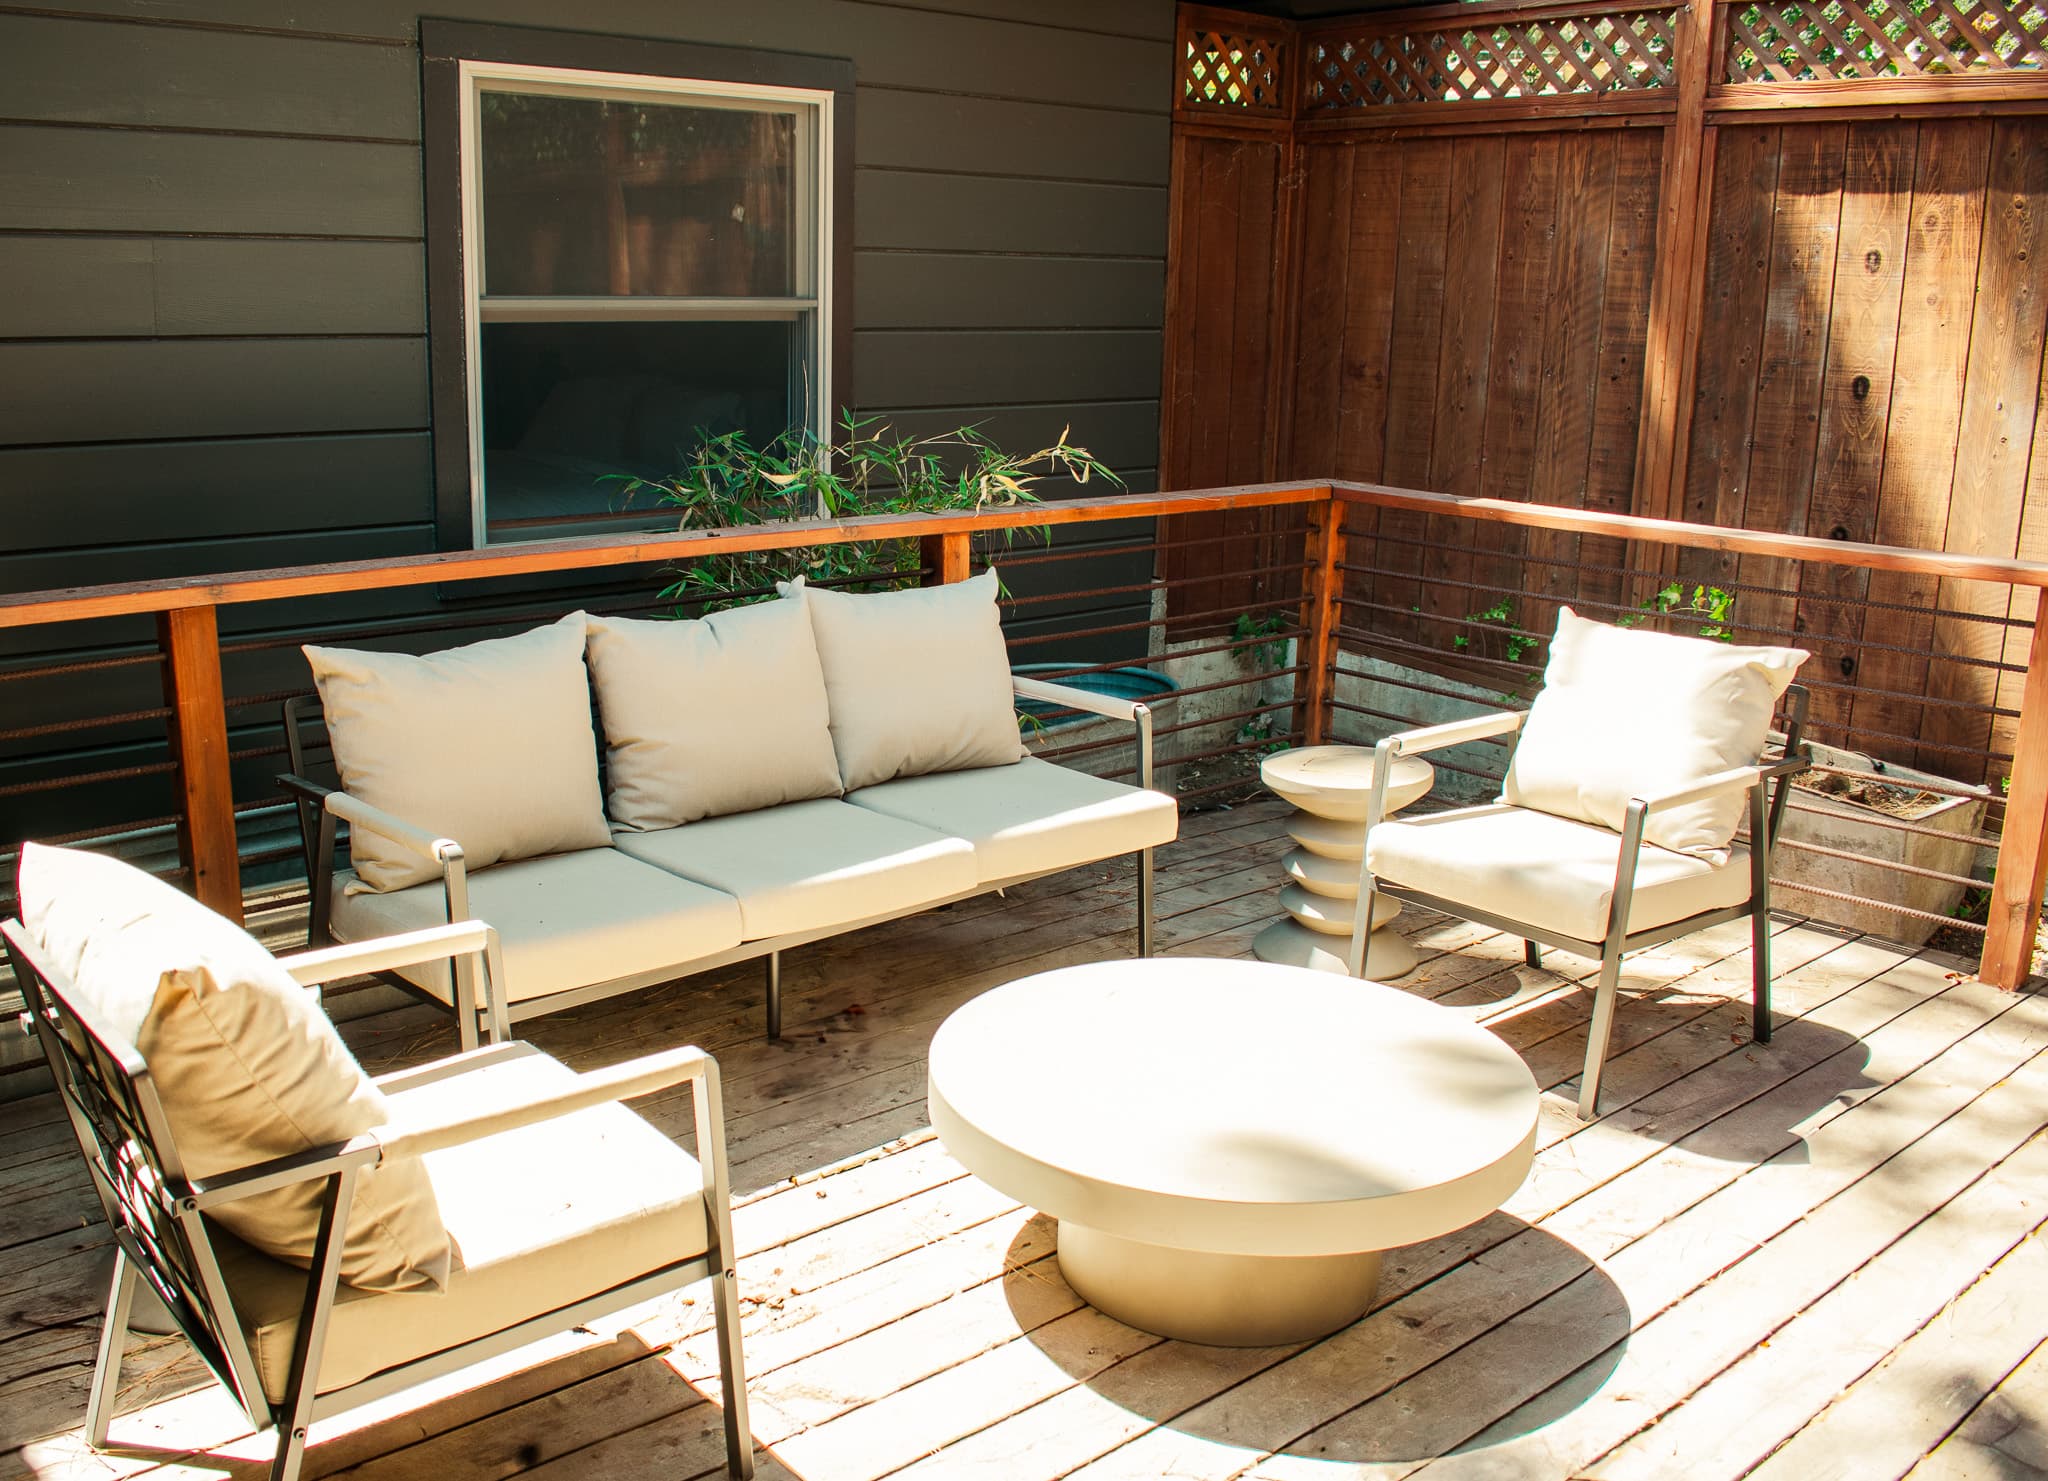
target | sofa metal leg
x=106, y=1373
x=1532, y=954
x=1145, y=902
x=1760, y=973
x=1601, y=1031
x=774, y=961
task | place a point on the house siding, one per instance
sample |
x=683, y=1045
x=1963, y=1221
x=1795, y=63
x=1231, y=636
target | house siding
x=213, y=336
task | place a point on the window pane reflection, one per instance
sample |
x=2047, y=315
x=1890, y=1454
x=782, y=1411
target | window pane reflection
x=589, y=197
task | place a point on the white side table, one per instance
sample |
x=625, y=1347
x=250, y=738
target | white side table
x=1331, y=789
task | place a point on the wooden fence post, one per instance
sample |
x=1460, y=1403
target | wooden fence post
x=946, y=557
x=2023, y=845
x=1323, y=585
x=190, y=640
x=1679, y=283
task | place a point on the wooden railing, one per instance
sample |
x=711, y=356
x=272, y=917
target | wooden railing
x=1335, y=521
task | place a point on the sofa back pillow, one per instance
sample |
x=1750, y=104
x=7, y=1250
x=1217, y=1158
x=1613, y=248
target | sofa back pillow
x=247, y=1066
x=488, y=744
x=918, y=680
x=1626, y=713
x=719, y=715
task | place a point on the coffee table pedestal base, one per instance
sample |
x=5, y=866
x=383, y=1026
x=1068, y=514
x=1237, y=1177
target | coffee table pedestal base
x=1221, y=1300
x=1292, y=944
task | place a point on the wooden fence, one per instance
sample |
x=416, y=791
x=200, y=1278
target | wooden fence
x=1350, y=578
x=1777, y=266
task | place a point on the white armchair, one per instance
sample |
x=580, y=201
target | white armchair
x=324, y=1241
x=1616, y=831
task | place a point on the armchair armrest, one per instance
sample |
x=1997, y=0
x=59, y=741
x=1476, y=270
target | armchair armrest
x=634, y=1077
x=626, y=1081
x=409, y=948
x=1735, y=779
x=1454, y=732
x=1109, y=706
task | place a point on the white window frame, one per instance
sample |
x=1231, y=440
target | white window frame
x=813, y=250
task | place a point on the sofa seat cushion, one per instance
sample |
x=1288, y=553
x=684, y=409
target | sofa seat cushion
x=808, y=866
x=1029, y=817
x=565, y=921
x=246, y=1065
x=1554, y=873
x=540, y=1217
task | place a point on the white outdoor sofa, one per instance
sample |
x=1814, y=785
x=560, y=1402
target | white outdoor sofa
x=773, y=775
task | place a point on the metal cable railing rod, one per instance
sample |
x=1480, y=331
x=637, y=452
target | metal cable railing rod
x=1893, y=866
x=81, y=666
x=90, y=722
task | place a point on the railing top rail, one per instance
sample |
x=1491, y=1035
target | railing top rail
x=589, y=553
x=1955, y=565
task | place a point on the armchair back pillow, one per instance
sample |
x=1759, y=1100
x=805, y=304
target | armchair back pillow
x=719, y=715
x=919, y=680
x=246, y=1064
x=489, y=744
x=1626, y=713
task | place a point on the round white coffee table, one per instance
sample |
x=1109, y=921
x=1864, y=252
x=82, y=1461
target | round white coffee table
x=1229, y=1145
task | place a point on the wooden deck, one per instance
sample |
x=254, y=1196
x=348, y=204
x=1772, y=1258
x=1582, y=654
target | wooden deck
x=1817, y=1258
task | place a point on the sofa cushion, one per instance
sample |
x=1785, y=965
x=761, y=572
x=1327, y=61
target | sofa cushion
x=247, y=1066
x=919, y=680
x=564, y=921
x=541, y=1217
x=1029, y=818
x=718, y=715
x=1627, y=713
x=1549, y=871
x=488, y=744
x=808, y=866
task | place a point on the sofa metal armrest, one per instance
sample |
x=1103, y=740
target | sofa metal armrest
x=1066, y=696
x=408, y=948
x=626, y=1081
x=360, y=814
x=1107, y=705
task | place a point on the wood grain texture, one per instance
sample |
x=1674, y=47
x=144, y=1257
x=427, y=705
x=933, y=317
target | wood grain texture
x=1928, y=377
x=190, y=639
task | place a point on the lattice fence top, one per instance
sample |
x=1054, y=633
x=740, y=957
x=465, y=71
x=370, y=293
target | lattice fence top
x=1597, y=53
x=1226, y=70
x=1783, y=41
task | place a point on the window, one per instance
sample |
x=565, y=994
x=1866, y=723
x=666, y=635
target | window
x=638, y=253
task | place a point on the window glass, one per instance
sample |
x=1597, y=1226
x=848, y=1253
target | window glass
x=589, y=196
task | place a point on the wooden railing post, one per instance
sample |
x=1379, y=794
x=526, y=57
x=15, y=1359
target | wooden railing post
x=1323, y=587
x=190, y=640
x=2023, y=844
x=945, y=557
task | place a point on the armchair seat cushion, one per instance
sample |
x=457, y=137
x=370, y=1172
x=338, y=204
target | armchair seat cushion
x=806, y=866
x=1553, y=873
x=540, y=1217
x=1030, y=817
x=564, y=921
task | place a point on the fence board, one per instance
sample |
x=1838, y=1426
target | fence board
x=1855, y=404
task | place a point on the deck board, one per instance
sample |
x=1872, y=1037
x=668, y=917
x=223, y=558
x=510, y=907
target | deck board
x=1820, y=1256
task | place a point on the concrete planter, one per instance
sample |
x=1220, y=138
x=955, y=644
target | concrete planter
x=1852, y=827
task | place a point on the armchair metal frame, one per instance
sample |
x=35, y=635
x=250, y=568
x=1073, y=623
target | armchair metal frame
x=1765, y=785
x=158, y=1212
x=321, y=808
